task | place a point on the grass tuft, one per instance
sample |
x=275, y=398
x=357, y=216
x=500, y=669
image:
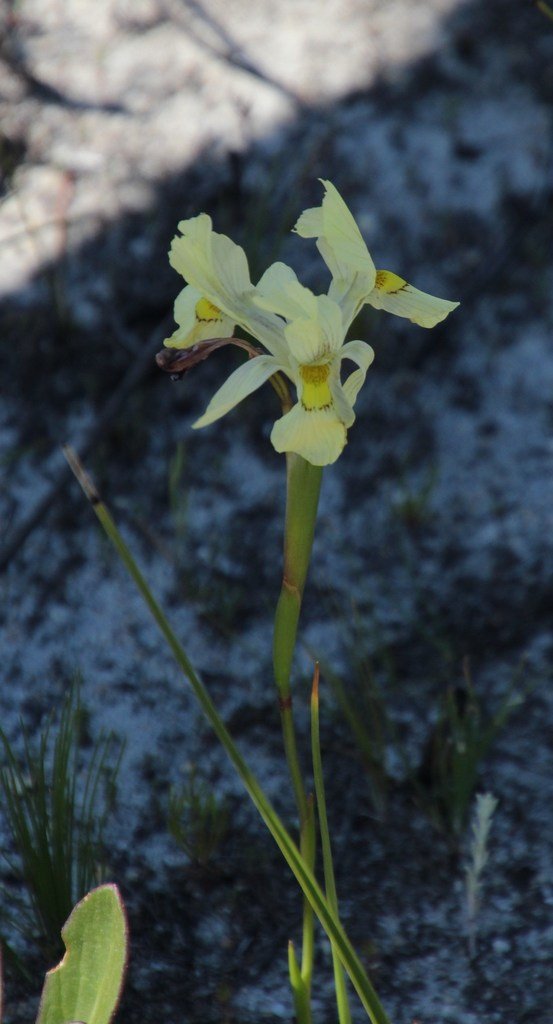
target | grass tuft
x=448, y=775
x=56, y=809
x=197, y=819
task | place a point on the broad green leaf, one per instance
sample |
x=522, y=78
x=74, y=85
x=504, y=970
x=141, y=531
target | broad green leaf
x=86, y=984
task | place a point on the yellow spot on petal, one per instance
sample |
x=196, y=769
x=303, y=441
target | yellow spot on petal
x=206, y=311
x=315, y=392
x=388, y=282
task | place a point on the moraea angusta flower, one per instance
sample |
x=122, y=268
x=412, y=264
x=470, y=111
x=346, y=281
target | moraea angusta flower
x=304, y=334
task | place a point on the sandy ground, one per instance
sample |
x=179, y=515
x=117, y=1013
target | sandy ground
x=434, y=539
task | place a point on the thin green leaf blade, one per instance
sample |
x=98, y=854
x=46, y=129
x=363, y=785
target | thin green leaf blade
x=86, y=984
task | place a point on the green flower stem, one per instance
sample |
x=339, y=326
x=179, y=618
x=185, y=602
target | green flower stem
x=302, y=500
x=284, y=841
x=344, y=1015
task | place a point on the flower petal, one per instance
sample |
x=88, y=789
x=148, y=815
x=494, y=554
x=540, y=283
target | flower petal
x=342, y=406
x=362, y=354
x=198, y=319
x=317, y=338
x=280, y=291
x=184, y=309
x=246, y=379
x=209, y=261
x=310, y=223
x=218, y=269
x=341, y=243
x=395, y=295
x=317, y=436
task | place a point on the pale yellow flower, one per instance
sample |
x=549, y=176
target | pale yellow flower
x=355, y=279
x=304, y=334
x=217, y=269
x=313, y=334
x=316, y=426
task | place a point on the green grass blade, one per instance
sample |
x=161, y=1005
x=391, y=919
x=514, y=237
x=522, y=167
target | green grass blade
x=300, y=991
x=344, y=1015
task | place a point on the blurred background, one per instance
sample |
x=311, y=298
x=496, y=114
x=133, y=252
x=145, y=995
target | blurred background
x=431, y=588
